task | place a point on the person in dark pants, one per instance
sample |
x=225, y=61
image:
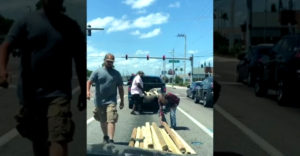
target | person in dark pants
x=137, y=92
x=49, y=41
x=170, y=101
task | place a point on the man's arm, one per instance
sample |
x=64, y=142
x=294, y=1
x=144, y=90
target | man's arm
x=121, y=92
x=80, y=64
x=88, y=88
x=4, y=57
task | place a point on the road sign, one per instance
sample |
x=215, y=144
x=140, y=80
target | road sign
x=173, y=61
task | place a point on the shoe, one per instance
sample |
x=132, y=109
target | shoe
x=133, y=113
x=105, y=139
x=111, y=141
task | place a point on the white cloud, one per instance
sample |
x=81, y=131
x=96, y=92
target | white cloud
x=143, y=11
x=141, y=52
x=139, y=4
x=193, y=51
x=174, y=5
x=119, y=25
x=153, y=33
x=137, y=32
x=112, y=24
x=101, y=22
x=151, y=19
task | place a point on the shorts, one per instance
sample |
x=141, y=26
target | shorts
x=47, y=120
x=106, y=113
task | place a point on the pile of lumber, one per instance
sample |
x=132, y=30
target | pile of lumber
x=163, y=139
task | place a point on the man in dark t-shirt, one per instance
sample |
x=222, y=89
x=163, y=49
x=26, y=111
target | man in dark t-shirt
x=49, y=41
x=171, y=101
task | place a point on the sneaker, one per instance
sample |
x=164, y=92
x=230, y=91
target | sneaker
x=106, y=139
x=111, y=141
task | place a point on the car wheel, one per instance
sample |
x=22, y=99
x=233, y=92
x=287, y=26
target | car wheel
x=281, y=94
x=196, y=100
x=259, y=89
x=205, y=101
x=250, y=79
x=193, y=95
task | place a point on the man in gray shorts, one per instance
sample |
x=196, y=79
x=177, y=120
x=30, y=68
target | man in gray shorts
x=106, y=80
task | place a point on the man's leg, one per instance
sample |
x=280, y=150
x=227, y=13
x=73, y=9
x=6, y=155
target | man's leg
x=111, y=130
x=173, y=116
x=60, y=126
x=59, y=149
x=104, y=128
x=112, y=118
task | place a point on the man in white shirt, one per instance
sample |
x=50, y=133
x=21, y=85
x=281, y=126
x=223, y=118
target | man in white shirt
x=137, y=92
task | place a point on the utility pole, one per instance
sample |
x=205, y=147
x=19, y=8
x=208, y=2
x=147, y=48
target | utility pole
x=183, y=35
x=172, y=52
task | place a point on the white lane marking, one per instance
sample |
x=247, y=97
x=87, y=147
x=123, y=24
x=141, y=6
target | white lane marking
x=253, y=136
x=92, y=118
x=201, y=126
x=7, y=137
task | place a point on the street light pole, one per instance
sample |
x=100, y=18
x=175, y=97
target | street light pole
x=184, y=72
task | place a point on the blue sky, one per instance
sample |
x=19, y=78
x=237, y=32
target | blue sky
x=141, y=27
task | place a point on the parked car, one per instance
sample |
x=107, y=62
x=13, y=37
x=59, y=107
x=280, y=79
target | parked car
x=191, y=91
x=281, y=70
x=149, y=102
x=246, y=69
x=205, y=94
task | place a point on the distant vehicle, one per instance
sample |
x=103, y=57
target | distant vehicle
x=246, y=69
x=191, y=91
x=205, y=94
x=150, y=82
x=281, y=70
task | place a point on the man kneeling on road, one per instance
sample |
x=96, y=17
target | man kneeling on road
x=106, y=80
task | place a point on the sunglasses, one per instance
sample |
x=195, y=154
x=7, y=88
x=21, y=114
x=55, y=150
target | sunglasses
x=109, y=61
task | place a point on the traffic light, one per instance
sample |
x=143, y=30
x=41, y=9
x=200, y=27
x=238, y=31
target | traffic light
x=147, y=57
x=89, y=31
x=126, y=56
x=164, y=57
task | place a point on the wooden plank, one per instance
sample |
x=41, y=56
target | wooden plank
x=141, y=138
x=175, y=139
x=161, y=140
x=132, y=138
x=189, y=149
x=149, y=136
x=170, y=143
x=156, y=143
x=137, y=143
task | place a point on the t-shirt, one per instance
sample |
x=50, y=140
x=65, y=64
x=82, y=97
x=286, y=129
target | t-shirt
x=134, y=87
x=172, y=99
x=106, y=84
x=48, y=45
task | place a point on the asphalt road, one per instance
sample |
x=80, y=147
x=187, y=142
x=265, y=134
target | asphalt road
x=11, y=143
x=250, y=125
x=200, y=139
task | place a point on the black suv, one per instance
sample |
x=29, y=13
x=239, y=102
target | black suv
x=150, y=82
x=281, y=70
x=250, y=61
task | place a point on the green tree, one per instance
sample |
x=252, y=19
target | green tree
x=88, y=74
